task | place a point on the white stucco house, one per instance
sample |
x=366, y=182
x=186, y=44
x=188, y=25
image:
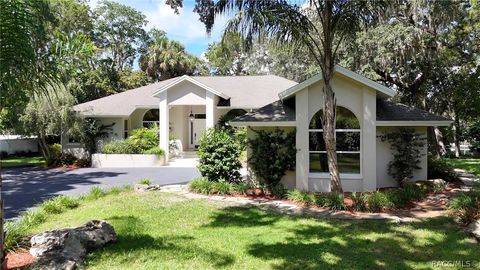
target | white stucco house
x=185, y=106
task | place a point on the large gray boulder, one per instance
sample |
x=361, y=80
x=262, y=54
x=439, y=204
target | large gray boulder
x=66, y=248
x=474, y=229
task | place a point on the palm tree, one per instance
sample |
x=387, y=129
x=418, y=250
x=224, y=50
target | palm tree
x=164, y=59
x=319, y=25
x=22, y=28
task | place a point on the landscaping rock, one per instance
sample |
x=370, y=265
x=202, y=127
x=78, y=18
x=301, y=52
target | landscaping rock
x=474, y=229
x=143, y=188
x=66, y=248
x=436, y=184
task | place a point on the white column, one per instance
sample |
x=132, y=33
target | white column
x=164, y=125
x=301, y=113
x=210, y=109
x=369, y=138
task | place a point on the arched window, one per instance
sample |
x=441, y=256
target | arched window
x=151, y=117
x=347, y=134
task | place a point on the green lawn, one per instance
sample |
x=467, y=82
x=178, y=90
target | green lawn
x=22, y=161
x=164, y=231
x=470, y=165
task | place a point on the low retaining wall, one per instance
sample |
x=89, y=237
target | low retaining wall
x=126, y=160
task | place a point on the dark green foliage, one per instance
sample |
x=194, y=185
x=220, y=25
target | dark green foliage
x=334, y=201
x=440, y=169
x=142, y=141
x=222, y=187
x=201, y=185
x=219, y=154
x=278, y=191
x=121, y=147
x=359, y=201
x=466, y=206
x=407, y=151
x=378, y=201
x=241, y=188
x=473, y=134
x=273, y=154
x=301, y=197
x=92, y=131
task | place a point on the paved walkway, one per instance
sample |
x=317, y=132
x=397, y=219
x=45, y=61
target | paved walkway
x=27, y=186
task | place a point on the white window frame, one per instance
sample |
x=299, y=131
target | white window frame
x=342, y=175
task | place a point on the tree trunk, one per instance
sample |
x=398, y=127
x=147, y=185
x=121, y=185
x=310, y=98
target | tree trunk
x=439, y=141
x=329, y=103
x=456, y=137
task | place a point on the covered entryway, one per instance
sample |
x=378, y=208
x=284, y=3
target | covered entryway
x=186, y=108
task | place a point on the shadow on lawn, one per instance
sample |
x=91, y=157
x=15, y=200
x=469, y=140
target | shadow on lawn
x=131, y=240
x=352, y=244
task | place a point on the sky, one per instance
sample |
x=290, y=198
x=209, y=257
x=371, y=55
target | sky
x=184, y=27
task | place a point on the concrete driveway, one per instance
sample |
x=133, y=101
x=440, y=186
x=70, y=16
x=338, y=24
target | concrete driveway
x=27, y=186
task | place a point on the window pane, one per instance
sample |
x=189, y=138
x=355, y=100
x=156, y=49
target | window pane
x=346, y=119
x=316, y=141
x=318, y=162
x=152, y=115
x=348, y=141
x=348, y=163
x=316, y=122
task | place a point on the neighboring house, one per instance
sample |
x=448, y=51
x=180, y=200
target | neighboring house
x=185, y=106
x=18, y=144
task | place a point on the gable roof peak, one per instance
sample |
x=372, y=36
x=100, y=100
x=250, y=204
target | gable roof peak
x=345, y=72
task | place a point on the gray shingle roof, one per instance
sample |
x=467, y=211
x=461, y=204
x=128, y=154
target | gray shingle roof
x=391, y=111
x=273, y=112
x=244, y=92
x=386, y=111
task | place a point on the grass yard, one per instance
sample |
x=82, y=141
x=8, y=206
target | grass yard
x=23, y=161
x=470, y=165
x=165, y=231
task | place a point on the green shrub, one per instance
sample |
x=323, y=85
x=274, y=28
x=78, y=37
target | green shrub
x=412, y=191
x=83, y=162
x=155, y=151
x=334, y=201
x=302, y=197
x=359, y=201
x=201, y=185
x=440, y=169
x=278, y=191
x=321, y=200
x=407, y=150
x=466, y=206
x=273, y=154
x=378, y=201
x=219, y=154
x=145, y=181
x=222, y=187
x=240, y=188
x=145, y=138
x=121, y=147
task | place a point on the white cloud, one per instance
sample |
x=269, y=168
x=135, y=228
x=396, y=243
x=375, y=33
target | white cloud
x=184, y=27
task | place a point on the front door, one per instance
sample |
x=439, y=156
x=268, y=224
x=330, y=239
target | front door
x=197, y=126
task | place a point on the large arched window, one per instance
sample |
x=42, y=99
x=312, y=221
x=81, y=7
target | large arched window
x=151, y=117
x=347, y=134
